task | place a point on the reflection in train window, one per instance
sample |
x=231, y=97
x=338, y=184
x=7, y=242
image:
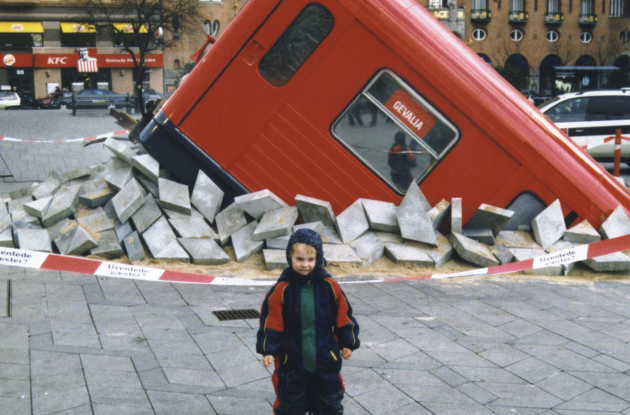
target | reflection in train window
x=395, y=132
x=296, y=44
x=526, y=207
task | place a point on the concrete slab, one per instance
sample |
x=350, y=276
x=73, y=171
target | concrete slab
x=147, y=184
x=582, y=233
x=193, y=228
x=98, y=222
x=18, y=204
x=22, y=216
x=314, y=226
x=485, y=236
x=381, y=215
x=5, y=220
x=244, y=243
x=171, y=214
x=549, y=225
x=107, y=246
x=38, y=207
x=415, y=225
x=206, y=196
x=228, y=221
x=34, y=240
x=340, y=254
x=158, y=236
x=109, y=210
x=63, y=205
x=146, y=215
x=352, y=222
x=61, y=227
x=76, y=173
x=120, y=149
x=18, y=225
x=281, y=242
x=442, y=253
x=204, y=251
x=118, y=174
x=315, y=210
x=502, y=254
x=82, y=242
x=456, y=215
x=521, y=254
x=616, y=225
x=257, y=203
x=6, y=239
x=414, y=199
x=472, y=251
x=489, y=217
x=615, y=262
x=174, y=196
x=147, y=165
x=133, y=247
x=329, y=235
x=62, y=235
x=275, y=223
x=48, y=187
x=439, y=212
x=23, y=192
x=128, y=201
x=408, y=253
x=174, y=252
x=368, y=247
x=122, y=230
x=561, y=245
x=516, y=239
x=275, y=259
x=389, y=238
x=97, y=196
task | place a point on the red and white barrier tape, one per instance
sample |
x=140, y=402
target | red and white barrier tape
x=94, y=137
x=42, y=260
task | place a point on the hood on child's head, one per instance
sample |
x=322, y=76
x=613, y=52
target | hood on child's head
x=312, y=238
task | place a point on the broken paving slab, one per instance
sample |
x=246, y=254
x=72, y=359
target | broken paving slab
x=516, y=239
x=281, y=242
x=414, y=199
x=368, y=247
x=204, y=251
x=18, y=225
x=562, y=245
x=174, y=196
x=442, y=253
x=61, y=227
x=489, y=217
x=314, y=226
x=171, y=214
x=352, y=222
x=315, y=210
x=23, y=192
x=275, y=223
x=128, y=200
x=456, y=215
x=228, y=221
x=6, y=239
x=122, y=230
x=37, y=207
x=81, y=242
x=147, y=184
x=34, y=240
x=174, y=252
x=97, y=222
x=330, y=236
x=120, y=149
x=389, y=237
x=415, y=225
x=521, y=254
x=147, y=165
x=472, y=251
x=76, y=173
x=97, y=196
x=549, y=225
x=22, y=216
x=408, y=253
x=485, y=236
x=5, y=221
x=244, y=243
x=107, y=245
x=582, y=233
x=158, y=236
x=614, y=262
x=381, y=215
x=502, y=254
x=207, y=196
x=616, y=225
x=48, y=187
x=133, y=247
x=17, y=204
x=275, y=259
x=118, y=174
x=340, y=254
x=63, y=205
x=146, y=215
x=257, y=203
x=439, y=212
x=193, y=228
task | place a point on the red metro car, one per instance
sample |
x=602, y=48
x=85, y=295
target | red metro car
x=303, y=97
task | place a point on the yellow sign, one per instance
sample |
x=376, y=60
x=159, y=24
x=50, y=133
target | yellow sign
x=21, y=27
x=77, y=28
x=127, y=28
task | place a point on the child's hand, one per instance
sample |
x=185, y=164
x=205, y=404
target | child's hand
x=268, y=360
x=346, y=353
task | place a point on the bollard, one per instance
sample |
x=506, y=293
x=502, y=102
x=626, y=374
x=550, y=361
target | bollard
x=74, y=106
x=617, y=151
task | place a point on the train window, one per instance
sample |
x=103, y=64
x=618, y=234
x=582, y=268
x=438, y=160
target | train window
x=394, y=131
x=296, y=44
x=526, y=207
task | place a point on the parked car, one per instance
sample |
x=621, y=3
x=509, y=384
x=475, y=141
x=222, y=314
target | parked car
x=48, y=100
x=9, y=100
x=538, y=99
x=147, y=97
x=589, y=117
x=96, y=98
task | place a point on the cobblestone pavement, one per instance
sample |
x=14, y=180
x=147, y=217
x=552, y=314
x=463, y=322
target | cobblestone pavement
x=80, y=344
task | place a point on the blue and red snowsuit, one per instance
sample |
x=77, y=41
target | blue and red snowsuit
x=305, y=322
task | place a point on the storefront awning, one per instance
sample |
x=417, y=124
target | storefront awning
x=77, y=28
x=21, y=27
x=128, y=28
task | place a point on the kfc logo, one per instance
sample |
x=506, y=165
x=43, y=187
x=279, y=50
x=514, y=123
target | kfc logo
x=8, y=60
x=56, y=61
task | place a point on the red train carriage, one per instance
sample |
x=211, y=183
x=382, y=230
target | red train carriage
x=347, y=99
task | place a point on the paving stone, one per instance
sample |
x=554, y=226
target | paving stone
x=414, y=199
x=257, y=203
x=174, y=252
x=193, y=228
x=146, y=215
x=456, y=215
x=438, y=213
x=329, y=236
x=388, y=237
x=34, y=240
x=133, y=247
x=64, y=239
x=275, y=223
x=562, y=245
x=81, y=242
x=490, y=217
x=204, y=251
x=275, y=259
x=352, y=222
x=549, y=225
x=128, y=201
x=22, y=216
x=147, y=184
x=502, y=254
x=442, y=253
x=582, y=233
x=340, y=254
x=472, y=251
x=171, y=214
x=122, y=230
x=206, y=196
x=60, y=228
x=118, y=174
x=17, y=204
x=147, y=165
x=314, y=226
x=617, y=261
x=97, y=196
x=315, y=210
x=174, y=196
x=281, y=242
x=23, y=192
x=484, y=236
x=76, y=173
x=63, y=205
x=616, y=225
x=38, y=207
x=516, y=239
x=158, y=236
x=244, y=243
x=107, y=246
x=18, y=225
x=368, y=247
x=6, y=238
x=120, y=149
x=48, y=187
x=409, y=253
x=109, y=210
x=415, y=225
x=381, y=215
x=98, y=222
x=5, y=220
x=228, y=221
x=521, y=254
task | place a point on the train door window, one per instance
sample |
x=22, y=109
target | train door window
x=296, y=44
x=526, y=207
x=394, y=131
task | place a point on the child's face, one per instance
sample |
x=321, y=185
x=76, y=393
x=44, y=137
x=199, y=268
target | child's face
x=303, y=259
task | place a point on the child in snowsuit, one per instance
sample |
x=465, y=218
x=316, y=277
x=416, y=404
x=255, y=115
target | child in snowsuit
x=306, y=327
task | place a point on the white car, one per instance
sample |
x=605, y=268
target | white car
x=591, y=117
x=9, y=100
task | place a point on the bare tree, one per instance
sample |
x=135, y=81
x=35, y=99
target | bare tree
x=146, y=22
x=563, y=49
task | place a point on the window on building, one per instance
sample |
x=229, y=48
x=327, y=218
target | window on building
x=586, y=37
x=552, y=36
x=296, y=44
x=586, y=7
x=78, y=39
x=176, y=64
x=479, y=5
x=211, y=28
x=517, y=5
x=479, y=34
x=11, y=41
x=410, y=136
x=553, y=6
x=516, y=35
x=616, y=8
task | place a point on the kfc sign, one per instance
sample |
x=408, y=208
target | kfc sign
x=57, y=60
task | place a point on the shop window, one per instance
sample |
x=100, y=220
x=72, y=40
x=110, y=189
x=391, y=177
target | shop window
x=296, y=44
x=12, y=41
x=526, y=207
x=479, y=34
x=78, y=39
x=395, y=132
